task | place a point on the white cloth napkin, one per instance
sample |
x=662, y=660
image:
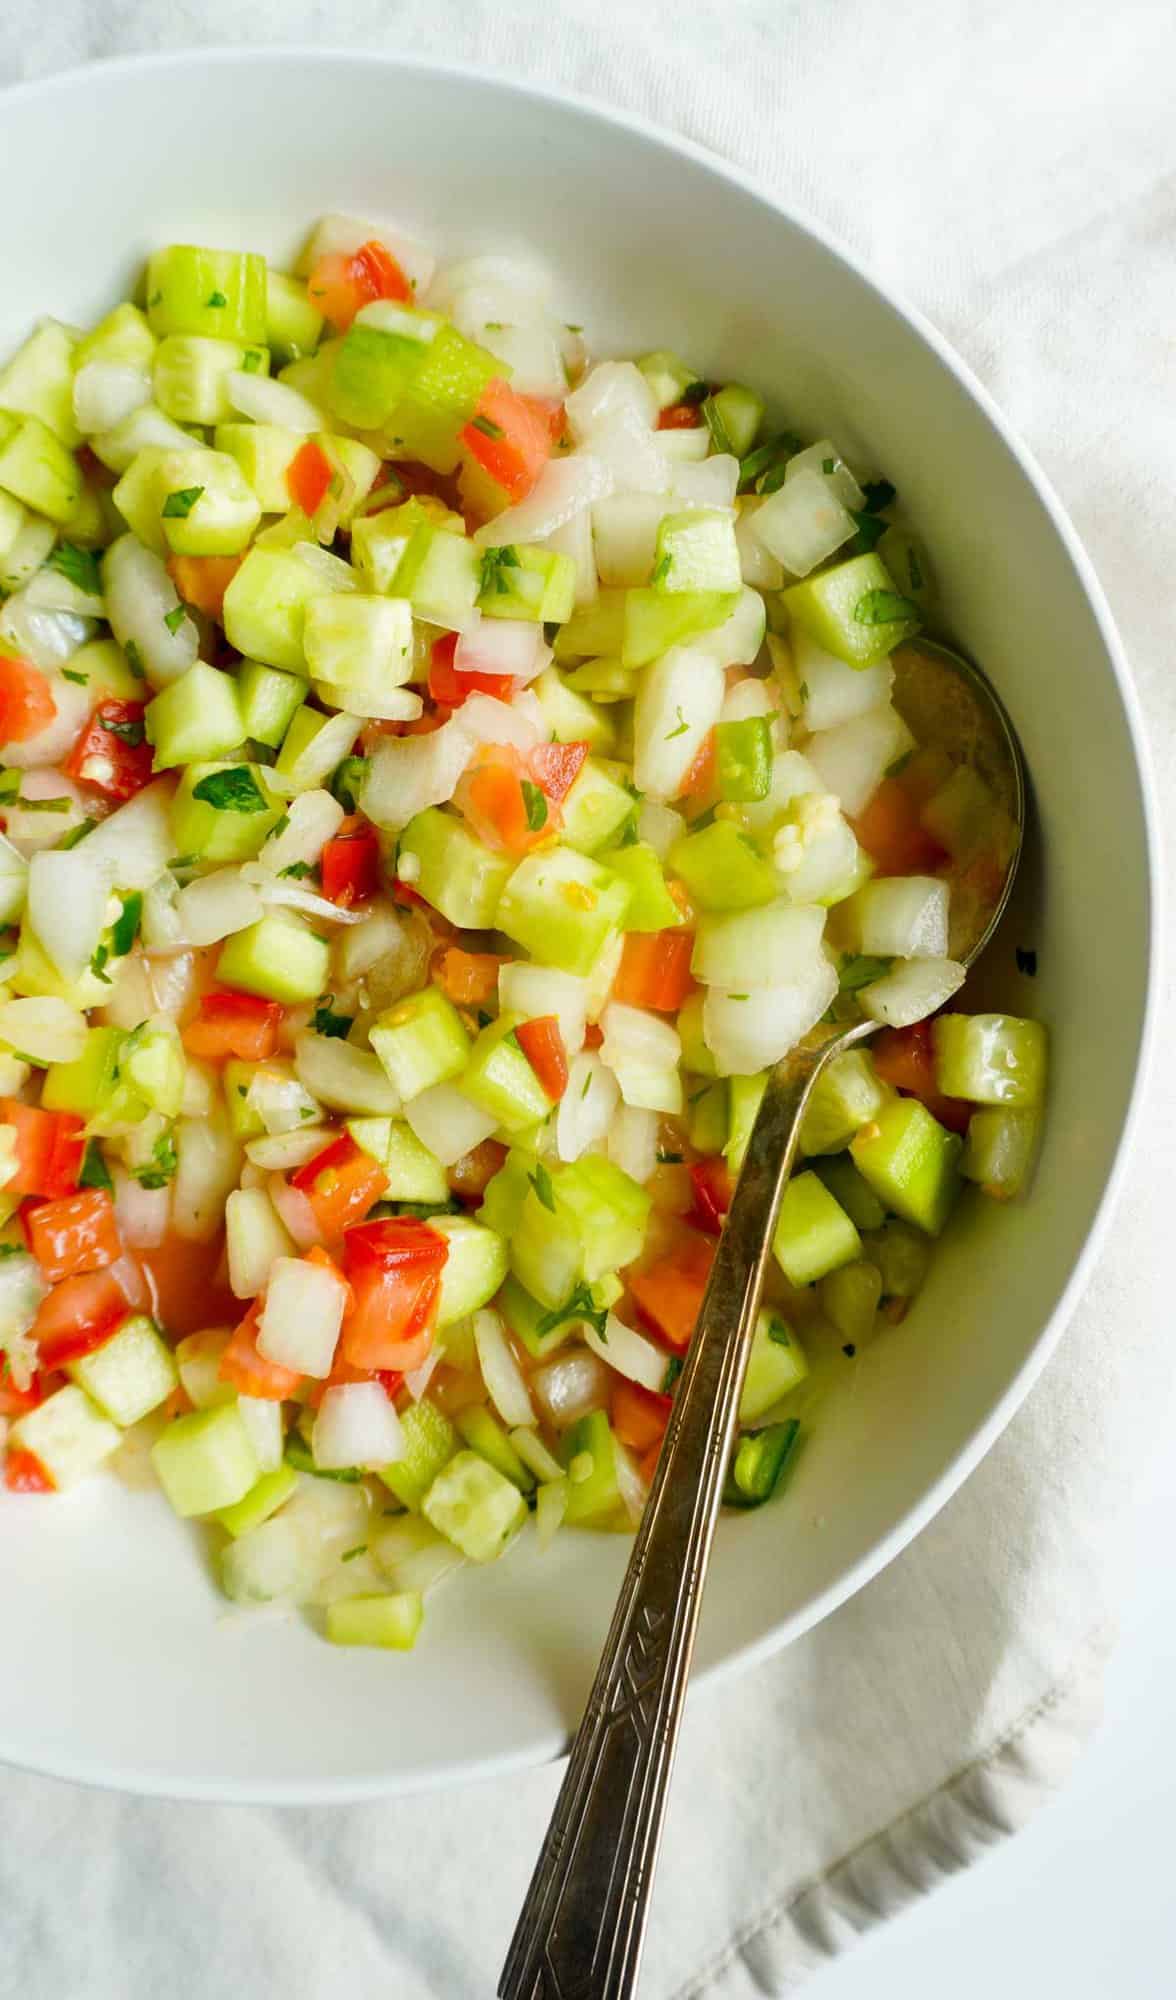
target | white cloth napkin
x=1012, y=167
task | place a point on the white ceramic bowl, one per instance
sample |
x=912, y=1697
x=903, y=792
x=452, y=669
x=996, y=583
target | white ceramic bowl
x=120, y=1665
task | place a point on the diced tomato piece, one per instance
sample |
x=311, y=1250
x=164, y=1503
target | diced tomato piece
x=341, y=1183
x=203, y=580
x=542, y=1044
x=639, y=1416
x=49, y=1148
x=711, y=1181
x=77, y=1316
x=26, y=704
x=889, y=830
x=593, y=1035
x=556, y=766
x=553, y=413
x=469, y=978
x=78, y=1232
x=394, y=1267
x=655, y=970
x=234, y=1024
x=308, y=476
x=340, y=284
x=24, y=1473
x=647, y=1465
x=112, y=753
x=92, y=469
x=403, y=892
x=189, y=1285
x=350, y=863
x=905, y=1058
x=469, y=1177
x=449, y=688
x=669, y=1293
x=699, y=782
x=680, y=417
x=342, y=1372
x=246, y=1367
x=505, y=807
x=509, y=438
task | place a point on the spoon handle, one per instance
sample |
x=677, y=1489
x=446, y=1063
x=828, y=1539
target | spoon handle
x=582, y=1926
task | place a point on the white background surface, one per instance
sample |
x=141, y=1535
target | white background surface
x=1082, y=1902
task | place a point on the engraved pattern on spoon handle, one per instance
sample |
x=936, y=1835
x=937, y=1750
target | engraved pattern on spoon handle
x=582, y=1926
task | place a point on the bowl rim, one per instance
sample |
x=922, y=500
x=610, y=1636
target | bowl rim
x=93, y=1773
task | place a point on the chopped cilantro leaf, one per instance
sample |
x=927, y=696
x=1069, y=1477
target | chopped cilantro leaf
x=536, y=804
x=488, y=427
x=541, y=1182
x=673, y=1370
x=126, y=928
x=883, y=607
x=494, y=562
x=76, y=833
x=236, y=790
x=174, y=618
x=349, y=1555
x=298, y=870
x=870, y=530
x=161, y=1167
x=669, y=1159
x=859, y=970
x=129, y=732
x=251, y=361
x=346, y=783
x=94, y=1172
x=79, y=680
x=98, y=964
x=580, y=1305
x=78, y=566
x=179, y=504
x=324, y=1022
x=879, y=493
x=134, y=660
x=216, y=299
x=694, y=393
x=828, y=465
x=683, y=726
x=914, y=570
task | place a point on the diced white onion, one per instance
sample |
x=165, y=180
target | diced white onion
x=737, y=641
x=624, y=534
x=448, y=1123
x=750, y=697
x=570, y=1385
x=280, y=1100
x=630, y=1484
x=209, y=1167
x=408, y=773
x=659, y=826
x=312, y=819
x=383, y=705
x=535, y=990
x=137, y=840
x=280, y=1152
x=14, y=878
x=213, y=906
x=142, y=1213
x=145, y=429
x=347, y=233
x=832, y=690
x=345, y=1077
x=68, y=895
x=530, y=350
x=629, y=1352
x=563, y=488
x=46, y=1029
x=30, y=827
x=588, y=1107
x=912, y=989
x=296, y=1212
x=300, y=1321
x=277, y=895
x=104, y=392
x=713, y=482
x=612, y=387
x=853, y=759
x=574, y=539
x=140, y=596
x=534, y=1453
x=679, y=698
x=413, y=1554
x=198, y=1358
x=262, y=1418
x=802, y=523
x=356, y=1424
x=760, y=569
x=643, y=1051
x=47, y=638
x=49, y=590
x=824, y=458
x=748, y=1033
x=487, y=720
x=417, y=1379
x=630, y=453
x=500, y=1371
x=502, y=646
x=900, y=916
x=265, y=401
x=632, y=1142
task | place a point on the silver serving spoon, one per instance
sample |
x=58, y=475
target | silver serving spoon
x=582, y=1926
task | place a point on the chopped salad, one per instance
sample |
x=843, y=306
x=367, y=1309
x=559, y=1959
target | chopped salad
x=442, y=772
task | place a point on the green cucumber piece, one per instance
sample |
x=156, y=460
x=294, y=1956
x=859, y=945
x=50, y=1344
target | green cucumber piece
x=656, y=620
x=846, y=1095
x=696, y=550
x=293, y=325
x=775, y=1366
x=131, y=1374
x=1000, y=1149
x=484, y=1434
x=205, y=1461
x=563, y=908
x=588, y=1451
x=413, y=1172
x=990, y=1058
x=264, y=1498
x=596, y=807
x=37, y=468
x=850, y=1298
x=743, y=759
x=265, y=607
x=474, y=1507
x=721, y=868
x=911, y=1163
x=814, y=1234
x=520, y=582
x=190, y=374
x=759, y=1462
x=420, y=1041
x=197, y=719
x=439, y=575
x=359, y=642
x=733, y=417
x=844, y=609
x=217, y=292
x=233, y=829
x=500, y=1079
x=455, y=871
x=569, y=717
x=38, y=381
x=265, y=453
x=279, y=958
x=393, y=1620
x=85, y=1085
x=846, y=1185
x=205, y=503
x=268, y=701
x=430, y=1441
x=651, y=906
x=123, y=336
x=744, y=1097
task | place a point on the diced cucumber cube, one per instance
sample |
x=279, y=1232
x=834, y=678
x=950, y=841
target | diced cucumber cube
x=67, y=1435
x=903, y=1255
x=449, y=379
x=265, y=607
x=38, y=381
x=196, y=719
x=391, y=1621
x=217, y=292
x=696, y=551
x=721, y=868
x=846, y=1185
x=456, y=872
x=205, y=1461
x=223, y=812
x=850, y=1298
x=484, y=1434
x=520, y=582
x=292, y=324
x=430, y=1441
x=264, y=453
x=84, y=1085
x=439, y=574
x=473, y=1270
x=268, y=700
x=990, y=1058
x=569, y=717
x=651, y=906
x=695, y=1054
x=244, y=1117
x=360, y=642
x=137, y=499
x=413, y=1172
x=744, y=1097
x=814, y=1234
x=911, y=1163
x=108, y=676
x=264, y=1498
x=313, y=746
x=595, y=808
x=131, y=1373
x=775, y=1365
x=123, y=336
x=190, y=374
x=759, y=1461
x=599, y=628
x=420, y=1041
x=655, y=620
x=667, y=375
x=563, y=908
x=500, y=1079
x=378, y=543
x=846, y=1095
x=205, y=503
x=733, y=416
x=376, y=361
x=706, y=1117
x=853, y=610
x=475, y=1507
x=37, y=468
x=589, y=1452
x=279, y=958
x=525, y=1316
x=576, y=1225
x=1000, y=1149
x=743, y=759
